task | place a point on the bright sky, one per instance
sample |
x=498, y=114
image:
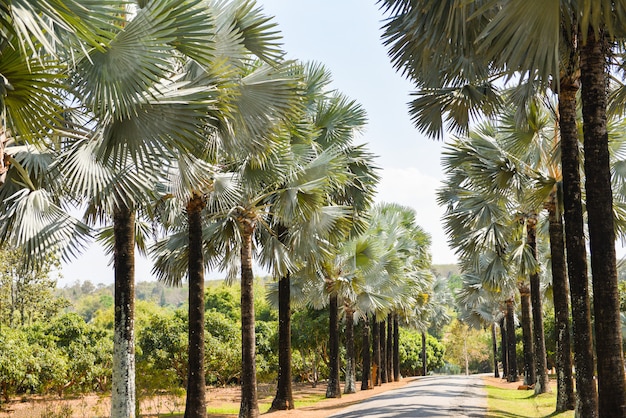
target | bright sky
x=344, y=35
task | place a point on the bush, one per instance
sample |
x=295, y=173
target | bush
x=411, y=352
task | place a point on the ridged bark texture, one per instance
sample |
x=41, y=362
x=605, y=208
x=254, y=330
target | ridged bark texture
x=195, y=403
x=494, y=347
x=505, y=363
x=510, y=342
x=424, y=358
x=284, y=391
x=350, y=386
x=527, y=334
x=396, y=349
x=333, y=390
x=123, y=384
x=376, y=380
x=249, y=407
x=542, y=382
x=565, y=399
x=383, y=352
x=593, y=75
x=367, y=356
x=576, y=252
x=389, y=350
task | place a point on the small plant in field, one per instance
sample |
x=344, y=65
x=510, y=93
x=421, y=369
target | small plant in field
x=175, y=400
x=102, y=408
x=83, y=406
x=57, y=411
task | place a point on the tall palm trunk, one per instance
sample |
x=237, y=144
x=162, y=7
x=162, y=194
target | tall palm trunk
x=527, y=334
x=575, y=247
x=396, y=348
x=542, y=382
x=333, y=390
x=367, y=358
x=123, y=384
x=611, y=383
x=383, y=352
x=284, y=393
x=560, y=292
x=350, y=386
x=424, y=368
x=494, y=346
x=503, y=345
x=249, y=402
x=510, y=342
x=195, y=404
x=389, y=350
x=376, y=380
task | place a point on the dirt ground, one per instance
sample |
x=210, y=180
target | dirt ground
x=99, y=406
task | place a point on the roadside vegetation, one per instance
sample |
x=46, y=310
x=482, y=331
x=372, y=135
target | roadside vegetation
x=509, y=402
x=178, y=129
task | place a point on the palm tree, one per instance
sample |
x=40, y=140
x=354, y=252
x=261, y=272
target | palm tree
x=107, y=108
x=137, y=117
x=37, y=41
x=480, y=224
x=496, y=28
x=535, y=143
x=594, y=75
x=304, y=234
x=248, y=99
x=340, y=119
x=479, y=308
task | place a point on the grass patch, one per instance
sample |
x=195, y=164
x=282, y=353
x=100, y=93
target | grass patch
x=309, y=400
x=233, y=408
x=511, y=403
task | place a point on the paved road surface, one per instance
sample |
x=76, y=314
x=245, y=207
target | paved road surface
x=430, y=396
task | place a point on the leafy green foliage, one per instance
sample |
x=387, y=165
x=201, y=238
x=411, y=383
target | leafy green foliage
x=411, y=352
x=27, y=295
x=468, y=348
x=222, y=299
x=88, y=351
x=163, y=345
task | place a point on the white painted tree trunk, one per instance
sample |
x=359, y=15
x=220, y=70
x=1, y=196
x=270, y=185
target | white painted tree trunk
x=123, y=384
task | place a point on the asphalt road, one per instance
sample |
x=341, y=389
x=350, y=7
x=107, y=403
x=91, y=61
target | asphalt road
x=430, y=396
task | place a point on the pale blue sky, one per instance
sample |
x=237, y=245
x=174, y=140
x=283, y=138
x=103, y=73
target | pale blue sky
x=344, y=35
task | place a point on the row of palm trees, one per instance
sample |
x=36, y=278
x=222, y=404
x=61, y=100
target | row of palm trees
x=459, y=64
x=179, y=121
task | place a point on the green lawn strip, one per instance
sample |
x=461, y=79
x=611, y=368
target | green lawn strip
x=233, y=408
x=509, y=403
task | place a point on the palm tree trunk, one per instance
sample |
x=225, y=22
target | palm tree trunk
x=333, y=390
x=350, y=386
x=383, y=352
x=195, y=405
x=424, y=368
x=123, y=384
x=376, y=380
x=527, y=334
x=396, y=348
x=494, y=346
x=389, y=350
x=367, y=363
x=510, y=342
x=249, y=402
x=611, y=383
x=560, y=292
x=542, y=382
x=284, y=393
x=576, y=251
x=505, y=363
